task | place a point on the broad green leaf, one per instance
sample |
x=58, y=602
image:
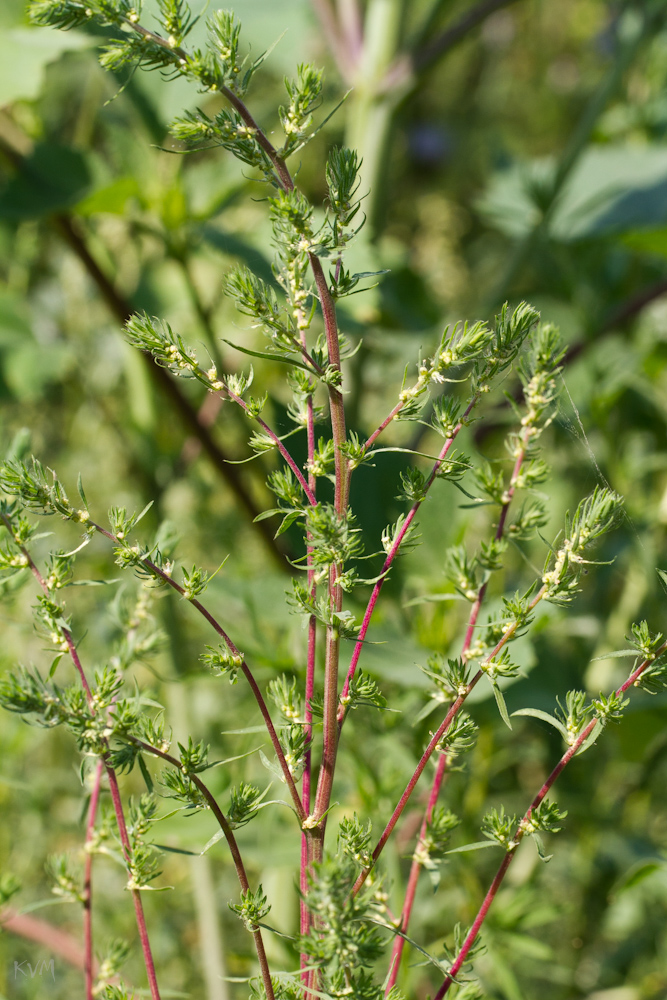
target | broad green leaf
x=24, y=55
x=112, y=199
x=53, y=178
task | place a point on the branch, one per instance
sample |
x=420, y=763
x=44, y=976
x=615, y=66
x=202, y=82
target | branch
x=404, y=73
x=233, y=847
x=424, y=58
x=41, y=932
x=428, y=752
x=192, y=421
x=111, y=774
x=162, y=575
x=393, y=552
x=524, y=823
x=441, y=770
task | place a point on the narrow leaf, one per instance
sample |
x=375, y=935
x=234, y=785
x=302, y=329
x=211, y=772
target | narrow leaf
x=537, y=713
x=502, y=707
x=591, y=738
x=268, y=356
x=479, y=845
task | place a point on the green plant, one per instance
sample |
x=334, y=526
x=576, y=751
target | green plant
x=345, y=924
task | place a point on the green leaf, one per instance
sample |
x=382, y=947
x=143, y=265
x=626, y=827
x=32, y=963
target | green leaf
x=288, y=521
x=112, y=199
x=591, y=738
x=271, y=766
x=537, y=713
x=479, y=845
x=268, y=513
x=24, y=55
x=540, y=848
x=268, y=356
x=53, y=178
x=502, y=707
x=636, y=875
x=145, y=773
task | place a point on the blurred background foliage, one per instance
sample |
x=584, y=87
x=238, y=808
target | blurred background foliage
x=511, y=151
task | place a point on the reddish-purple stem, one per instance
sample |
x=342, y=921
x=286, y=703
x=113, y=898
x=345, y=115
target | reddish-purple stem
x=281, y=448
x=368, y=614
x=245, y=669
x=441, y=770
x=520, y=833
x=88, y=883
x=435, y=739
x=113, y=784
x=310, y=688
x=385, y=423
x=228, y=832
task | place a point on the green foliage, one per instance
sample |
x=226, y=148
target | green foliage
x=252, y=909
x=156, y=221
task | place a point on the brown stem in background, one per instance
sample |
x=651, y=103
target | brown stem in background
x=192, y=421
x=55, y=939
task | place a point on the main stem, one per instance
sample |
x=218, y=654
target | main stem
x=310, y=683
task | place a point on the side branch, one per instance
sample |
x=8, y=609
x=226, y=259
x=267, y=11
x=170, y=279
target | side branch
x=435, y=739
x=393, y=552
x=524, y=824
x=160, y=573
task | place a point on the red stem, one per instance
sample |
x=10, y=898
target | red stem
x=136, y=894
x=440, y=774
x=113, y=784
x=305, y=920
x=435, y=739
x=520, y=833
x=281, y=448
x=244, y=668
x=87, y=882
x=385, y=423
x=389, y=560
x=228, y=832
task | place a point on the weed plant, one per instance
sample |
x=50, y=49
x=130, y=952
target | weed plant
x=350, y=943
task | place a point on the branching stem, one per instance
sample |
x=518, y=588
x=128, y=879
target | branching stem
x=232, y=844
x=259, y=698
x=520, y=832
x=441, y=770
